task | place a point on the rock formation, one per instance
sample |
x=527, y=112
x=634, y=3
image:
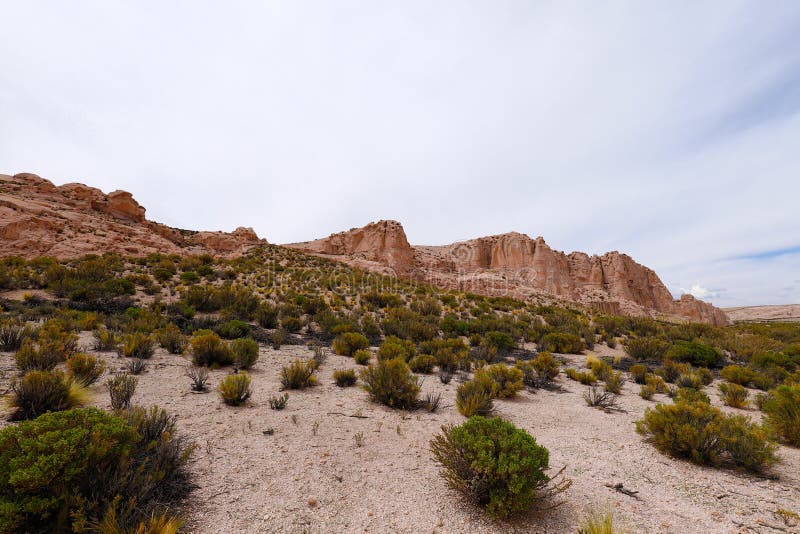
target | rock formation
x=38, y=218
x=514, y=264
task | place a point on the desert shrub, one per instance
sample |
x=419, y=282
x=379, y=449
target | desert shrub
x=563, y=343
x=733, y=395
x=12, y=334
x=494, y=464
x=506, y=381
x=671, y=371
x=586, y=378
x=68, y=471
x=600, y=368
x=198, y=376
x=431, y=402
x=394, y=347
x=172, y=339
x=450, y=354
x=646, y=348
x=690, y=395
x=422, y=363
x=638, y=373
x=362, y=356
x=703, y=434
x=136, y=366
x=694, y=353
x=391, y=382
x=105, y=340
x=235, y=389
x=782, y=412
x=546, y=366
x=689, y=380
x=85, y=369
x=30, y=358
x=298, y=375
x=245, y=352
x=604, y=400
x=348, y=343
x=277, y=338
x=474, y=397
x=209, y=350
x=279, y=402
x=614, y=381
x=121, y=389
x=705, y=376
x=647, y=391
x=598, y=524
x=407, y=324
x=267, y=316
x=344, y=377
x=38, y=392
x=233, y=329
x=56, y=342
x=137, y=345
x=736, y=374
x=657, y=382
x=502, y=342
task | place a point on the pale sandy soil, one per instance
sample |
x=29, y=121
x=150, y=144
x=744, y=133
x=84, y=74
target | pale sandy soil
x=778, y=312
x=296, y=480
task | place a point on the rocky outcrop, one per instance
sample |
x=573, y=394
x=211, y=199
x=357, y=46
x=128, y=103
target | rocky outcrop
x=38, y=218
x=514, y=264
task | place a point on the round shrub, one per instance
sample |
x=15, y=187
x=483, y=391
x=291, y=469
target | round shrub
x=782, y=410
x=344, y=377
x=474, y=397
x=245, y=352
x=391, y=382
x=733, y=395
x=362, y=356
x=394, y=347
x=233, y=329
x=646, y=348
x=348, y=343
x=493, y=464
x=299, y=375
x=703, y=434
x=138, y=345
x=85, y=369
x=695, y=353
x=736, y=374
x=38, y=392
x=30, y=358
x=171, y=339
x=209, y=350
x=506, y=381
x=422, y=363
x=235, y=389
x=500, y=341
x=65, y=471
x=562, y=343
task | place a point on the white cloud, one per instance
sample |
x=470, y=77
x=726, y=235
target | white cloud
x=665, y=131
x=699, y=292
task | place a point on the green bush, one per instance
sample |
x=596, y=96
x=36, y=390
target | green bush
x=450, y=354
x=733, y=395
x=30, y=358
x=267, y=316
x=344, y=377
x=235, y=389
x=348, y=343
x=67, y=471
x=614, y=381
x=233, y=329
x=85, y=369
x=703, y=434
x=105, y=340
x=394, y=347
x=121, y=389
x=546, y=366
x=137, y=345
x=474, y=397
x=646, y=348
x=362, y=356
x=690, y=395
x=586, y=378
x=38, y=392
x=494, y=464
x=562, y=343
x=391, y=382
x=422, y=363
x=782, y=411
x=501, y=341
x=638, y=373
x=299, y=375
x=171, y=339
x=694, y=353
x=736, y=374
x=506, y=381
x=209, y=350
x=245, y=352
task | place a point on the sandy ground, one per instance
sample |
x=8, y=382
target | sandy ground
x=309, y=475
x=778, y=312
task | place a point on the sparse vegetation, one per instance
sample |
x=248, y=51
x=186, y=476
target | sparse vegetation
x=298, y=375
x=85, y=369
x=391, y=382
x=121, y=389
x=235, y=389
x=245, y=352
x=345, y=377
x=38, y=392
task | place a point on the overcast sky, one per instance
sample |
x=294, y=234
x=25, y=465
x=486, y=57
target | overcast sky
x=667, y=130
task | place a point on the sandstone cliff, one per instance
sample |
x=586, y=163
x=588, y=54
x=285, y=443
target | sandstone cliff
x=38, y=218
x=514, y=264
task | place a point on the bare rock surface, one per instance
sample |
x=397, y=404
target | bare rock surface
x=777, y=312
x=38, y=218
x=517, y=265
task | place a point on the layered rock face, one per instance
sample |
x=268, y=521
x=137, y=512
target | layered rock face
x=516, y=265
x=38, y=218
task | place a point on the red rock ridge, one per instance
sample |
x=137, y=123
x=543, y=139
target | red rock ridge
x=38, y=218
x=514, y=264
